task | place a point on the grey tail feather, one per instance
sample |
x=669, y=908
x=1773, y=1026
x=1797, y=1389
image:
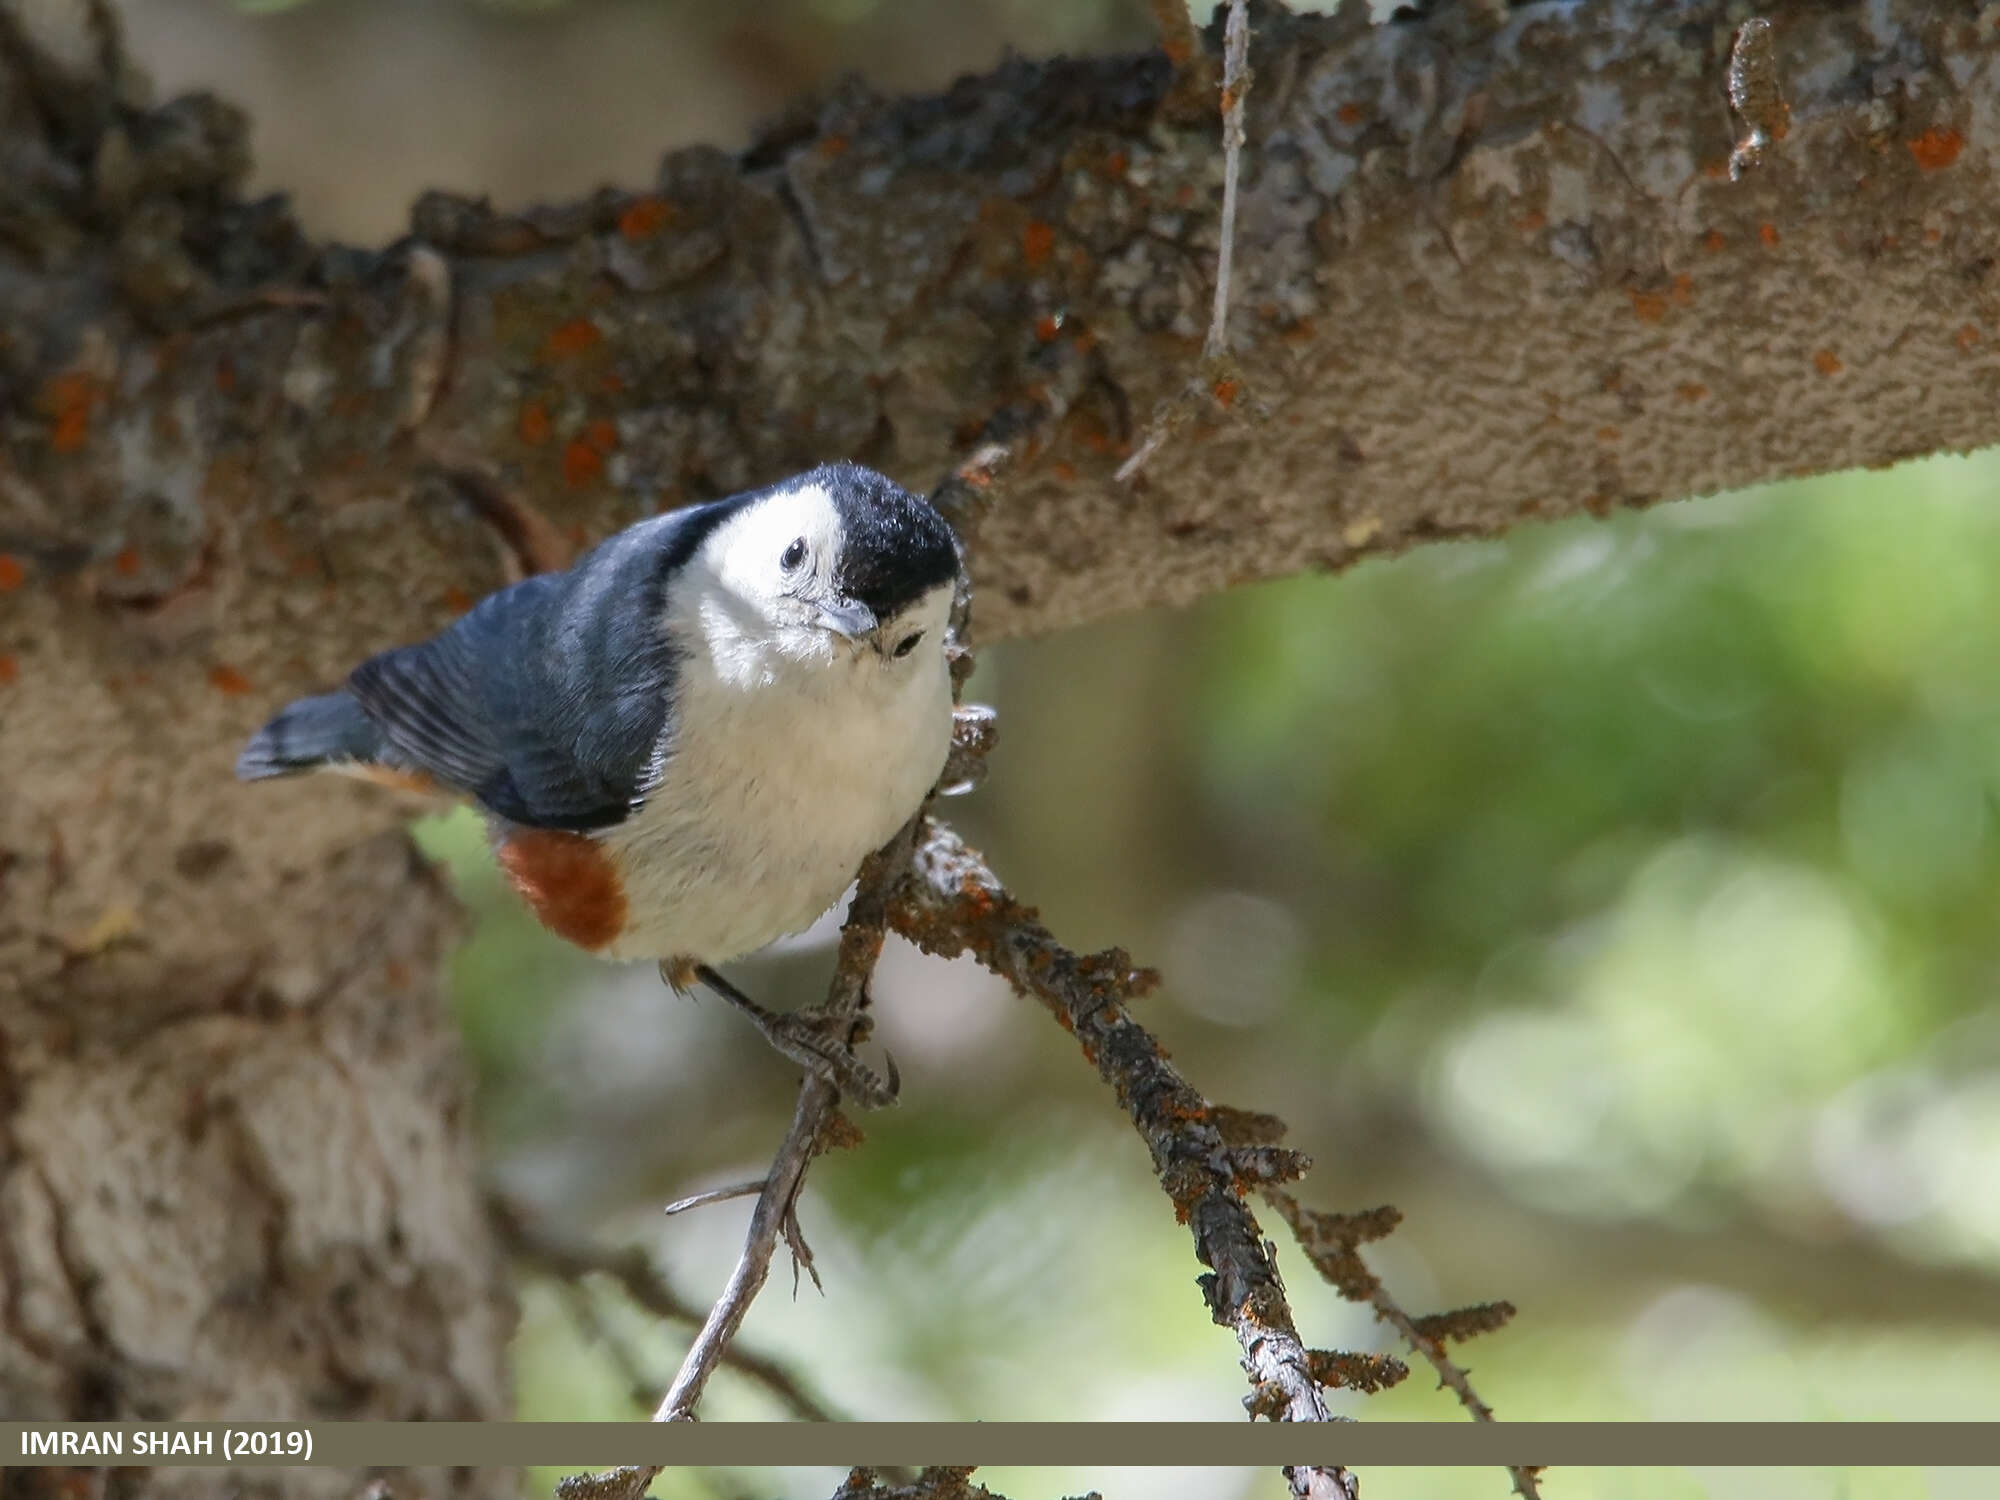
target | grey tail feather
x=308, y=734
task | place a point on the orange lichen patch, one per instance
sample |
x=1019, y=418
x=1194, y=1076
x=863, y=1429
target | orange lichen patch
x=1713, y=241
x=70, y=398
x=533, y=423
x=612, y=384
x=10, y=671
x=1047, y=326
x=1967, y=336
x=457, y=600
x=1651, y=307
x=1117, y=163
x=396, y=973
x=1827, y=362
x=1609, y=434
x=839, y=1134
x=1178, y=50
x=566, y=340
x=581, y=464
x=1351, y=113
x=226, y=679
x=601, y=435
x=12, y=574
x=1692, y=390
x=126, y=563
x=569, y=883
x=833, y=145
x=1683, y=292
x=1937, y=148
x=1534, y=221
x=1768, y=233
x=1225, y=393
x=644, y=218
x=1037, y=240
x=1063, y=471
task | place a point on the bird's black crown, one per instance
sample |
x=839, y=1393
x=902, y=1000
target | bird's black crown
x=895, y=546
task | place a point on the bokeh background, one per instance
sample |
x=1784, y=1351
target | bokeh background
x=1618, y=899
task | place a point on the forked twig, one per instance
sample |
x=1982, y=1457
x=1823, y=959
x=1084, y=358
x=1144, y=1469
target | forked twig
x=813, y=1129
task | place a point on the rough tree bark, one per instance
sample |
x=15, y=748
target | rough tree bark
x=1486, y=268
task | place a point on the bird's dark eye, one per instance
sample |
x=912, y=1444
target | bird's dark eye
x=908, y=644
x=794, y=554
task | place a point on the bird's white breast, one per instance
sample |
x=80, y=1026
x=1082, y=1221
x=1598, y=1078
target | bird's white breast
x=780, y=776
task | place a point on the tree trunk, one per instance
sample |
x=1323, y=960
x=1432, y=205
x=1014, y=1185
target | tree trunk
x=1485, y=270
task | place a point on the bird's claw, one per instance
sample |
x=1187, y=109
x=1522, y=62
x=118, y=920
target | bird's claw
x=816, y=1041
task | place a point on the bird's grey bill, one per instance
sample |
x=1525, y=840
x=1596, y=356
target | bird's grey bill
x=848, y=618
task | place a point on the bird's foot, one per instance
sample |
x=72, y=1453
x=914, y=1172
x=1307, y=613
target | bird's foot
x=817, y=1042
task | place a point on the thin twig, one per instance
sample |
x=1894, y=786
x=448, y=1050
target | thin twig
x=1215, y=382
x=1235, y=88
x=636, y=1275
x=951, y=903
x=714, y=1195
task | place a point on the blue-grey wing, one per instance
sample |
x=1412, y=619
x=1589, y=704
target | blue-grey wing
x=549, y=701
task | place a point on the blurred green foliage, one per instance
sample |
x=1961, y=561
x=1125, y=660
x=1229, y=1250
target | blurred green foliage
x=1662, y=837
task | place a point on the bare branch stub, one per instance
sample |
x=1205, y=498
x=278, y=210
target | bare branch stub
x=1756, y=94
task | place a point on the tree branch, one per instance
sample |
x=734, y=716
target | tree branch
x=1480, y=273
x=949, y=904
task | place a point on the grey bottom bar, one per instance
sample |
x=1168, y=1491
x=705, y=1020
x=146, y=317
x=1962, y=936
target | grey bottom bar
x=1121, y=1444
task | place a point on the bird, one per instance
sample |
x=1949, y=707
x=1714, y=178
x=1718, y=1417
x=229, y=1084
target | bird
x=686, y=743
